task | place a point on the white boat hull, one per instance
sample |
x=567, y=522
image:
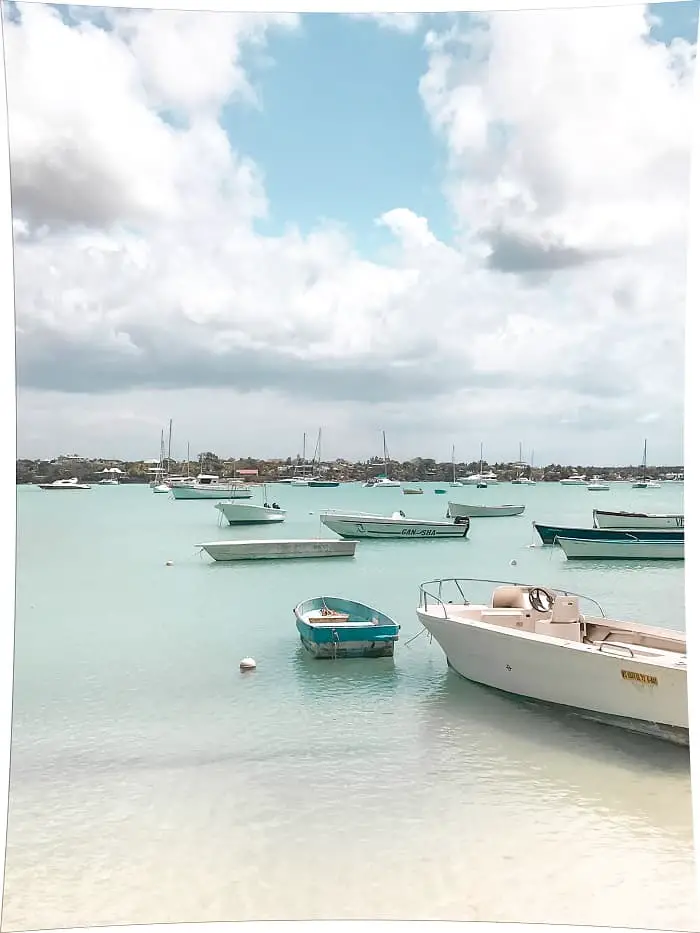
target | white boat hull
x=632, y=549
x=603, y=686
x=473, y=480
x=277, y=550
x=459, y=510
x=63, y=484
x=219, y=491
x=631, y=520
x=377, y=526
x=244, y=514
x=383, y=484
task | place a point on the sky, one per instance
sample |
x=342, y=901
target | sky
x=457, y=228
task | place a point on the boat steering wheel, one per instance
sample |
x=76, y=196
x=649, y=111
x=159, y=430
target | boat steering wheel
x=540, y=599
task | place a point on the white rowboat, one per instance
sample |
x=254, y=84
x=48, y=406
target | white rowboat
x=632, y=520
x=460, y=510
x=277, y=549
x=631, y=549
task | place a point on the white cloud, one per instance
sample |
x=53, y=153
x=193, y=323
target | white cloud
x=400, y=22
x=140, y=273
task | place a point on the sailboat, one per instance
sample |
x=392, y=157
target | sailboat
x=480, y=479
x=303, y=471
x=383, y=480
x=454, y=469
x=158, y=483
x=645, y=483
x=319, y=480
x=521, y=479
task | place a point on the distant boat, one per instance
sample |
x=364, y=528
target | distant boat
x=64, y=484
x=480, y=479
x=548, y=533
x=633, y=548
x=108, y=482
x=316, y=459
x=397, y=525
x=459, y=510
x=330, y=627
x=636, y=520
x=597, y=485
x=408, y=491
x=645, y=483
x=303, y=471
x=576, y=479
x=209, y=486
x=454, y=482
x=383, y=481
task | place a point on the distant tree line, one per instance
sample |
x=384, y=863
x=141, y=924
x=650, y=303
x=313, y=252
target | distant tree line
x=419, y=469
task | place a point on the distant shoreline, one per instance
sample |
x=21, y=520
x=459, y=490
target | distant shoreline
x=30, y=472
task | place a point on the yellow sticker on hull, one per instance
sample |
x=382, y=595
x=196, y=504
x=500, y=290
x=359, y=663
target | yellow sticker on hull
x=640, y=678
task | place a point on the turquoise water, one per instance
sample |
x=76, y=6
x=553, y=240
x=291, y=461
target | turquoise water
x=152, y=782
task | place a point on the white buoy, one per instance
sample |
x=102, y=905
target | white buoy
x=247, y=664
x=168, y=563
x=513, y=563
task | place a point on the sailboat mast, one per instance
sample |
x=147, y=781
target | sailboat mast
x=170, y=438
x=385, y=454
x=454, y=474
x=188, y=461
x=481, y=458
x=303, y=449
x=644, y=462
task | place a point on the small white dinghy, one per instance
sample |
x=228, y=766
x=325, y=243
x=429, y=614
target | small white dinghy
x=397, y=525
x=277, y=549
x=460, y=510
x=534, y=642
x=631, y=548
x=242, y=513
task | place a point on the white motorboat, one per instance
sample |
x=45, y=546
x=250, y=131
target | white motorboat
x=576, y=479
x=108, y=482
x=481, y=478
x=523, y=481
x=461, y=510
x=631, y=521
x=64, y=484
x=597, y=485
x=161, y=488
x=397, y=525
x=534, y=642
x=270, y=549
x=209, y=486
x=243, y=513
x=630, y=548
x=382, y=482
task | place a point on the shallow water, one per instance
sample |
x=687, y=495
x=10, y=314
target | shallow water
x=152, y=782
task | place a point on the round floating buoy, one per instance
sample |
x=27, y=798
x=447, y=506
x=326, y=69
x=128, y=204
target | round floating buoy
x=168, y=563
x=513, y=563
x=247, y=664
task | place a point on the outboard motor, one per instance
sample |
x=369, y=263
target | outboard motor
x=462, y=520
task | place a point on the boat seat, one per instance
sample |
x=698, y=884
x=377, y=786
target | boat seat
x=509, y=597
